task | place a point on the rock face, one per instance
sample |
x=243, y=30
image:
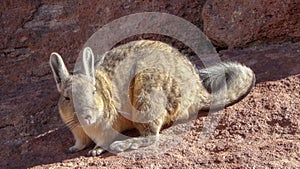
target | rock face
x=31, y=132
x=271, y=62
x=30, y=31
x=235, y=23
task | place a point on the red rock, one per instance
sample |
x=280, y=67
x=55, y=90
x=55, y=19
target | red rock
x=235, y=23
x=271, y=62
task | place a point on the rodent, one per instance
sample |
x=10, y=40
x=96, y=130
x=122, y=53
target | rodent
x=170, y=89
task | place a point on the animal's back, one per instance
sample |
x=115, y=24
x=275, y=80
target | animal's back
x=137, y=50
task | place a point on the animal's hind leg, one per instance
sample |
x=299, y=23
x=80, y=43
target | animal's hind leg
x=149, y=94
x=148, y=119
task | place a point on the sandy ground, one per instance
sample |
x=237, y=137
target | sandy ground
x=261, y=131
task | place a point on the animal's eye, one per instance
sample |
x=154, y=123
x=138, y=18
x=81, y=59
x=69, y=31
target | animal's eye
x=67, y=98
x=94, y=92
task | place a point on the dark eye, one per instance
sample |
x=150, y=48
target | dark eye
x=67, y=98
x=94, y=92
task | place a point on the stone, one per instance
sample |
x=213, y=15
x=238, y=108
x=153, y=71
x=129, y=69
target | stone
x=236, y=24
x=271, y=62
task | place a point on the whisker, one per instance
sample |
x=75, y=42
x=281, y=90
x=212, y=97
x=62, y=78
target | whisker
x=72, y=122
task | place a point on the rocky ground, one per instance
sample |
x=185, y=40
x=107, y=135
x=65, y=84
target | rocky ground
x=261, y=131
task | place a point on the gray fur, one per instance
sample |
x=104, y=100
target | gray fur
x=59, y=69
x=88, y=63
x=235, y=77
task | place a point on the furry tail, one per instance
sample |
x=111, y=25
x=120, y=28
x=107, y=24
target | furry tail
x=229, y=82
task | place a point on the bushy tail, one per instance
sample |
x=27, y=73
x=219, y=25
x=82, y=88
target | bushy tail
x=233, y=78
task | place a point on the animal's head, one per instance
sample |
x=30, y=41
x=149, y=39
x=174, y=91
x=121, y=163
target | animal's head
x=78, y=96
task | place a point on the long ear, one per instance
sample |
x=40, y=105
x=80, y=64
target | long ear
x=59, y=69
x=88, y=63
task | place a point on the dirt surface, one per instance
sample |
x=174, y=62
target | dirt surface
x=261, y=131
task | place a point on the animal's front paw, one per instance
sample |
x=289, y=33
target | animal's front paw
x=74, y=149
x=96, y=151
x=79, y=145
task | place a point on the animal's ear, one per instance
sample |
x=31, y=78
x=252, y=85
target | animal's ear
x=88, y=63
x=59, y=70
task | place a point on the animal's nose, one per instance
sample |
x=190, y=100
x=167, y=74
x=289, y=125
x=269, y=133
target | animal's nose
x=88, y=117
